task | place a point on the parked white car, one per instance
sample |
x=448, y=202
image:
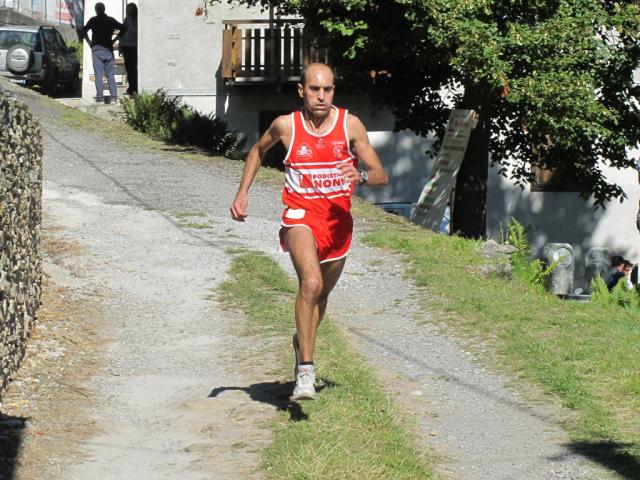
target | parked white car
x=38, y=55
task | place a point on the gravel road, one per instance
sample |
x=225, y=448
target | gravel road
x=170, y=345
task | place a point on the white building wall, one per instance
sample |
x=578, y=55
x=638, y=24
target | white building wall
x=181, y=52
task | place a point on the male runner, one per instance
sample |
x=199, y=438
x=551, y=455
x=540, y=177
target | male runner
x=324, y=147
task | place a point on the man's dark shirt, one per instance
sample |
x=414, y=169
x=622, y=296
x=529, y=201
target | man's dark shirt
x=102, y=27
x=612, y=278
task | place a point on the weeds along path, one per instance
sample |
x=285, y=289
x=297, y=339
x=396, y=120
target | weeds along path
x=158, y=232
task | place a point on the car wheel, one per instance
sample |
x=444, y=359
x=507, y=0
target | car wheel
x=20, y=59
x=51, y=86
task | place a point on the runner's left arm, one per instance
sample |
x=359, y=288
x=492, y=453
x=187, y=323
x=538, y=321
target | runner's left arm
x=377, y=176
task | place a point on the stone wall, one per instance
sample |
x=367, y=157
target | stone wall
x=20, y=216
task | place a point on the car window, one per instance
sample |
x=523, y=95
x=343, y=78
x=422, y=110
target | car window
x=51, y=44
x=57, y=42
x=35, y=42
x=60, y=40
x=9, y=38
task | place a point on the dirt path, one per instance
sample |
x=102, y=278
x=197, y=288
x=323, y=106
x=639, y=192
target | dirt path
x=155, y=414
x=155, y=232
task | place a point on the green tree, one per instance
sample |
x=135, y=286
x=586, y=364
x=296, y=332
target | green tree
x=552, y=81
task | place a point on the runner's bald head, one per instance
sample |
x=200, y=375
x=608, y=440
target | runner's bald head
x=313, y=69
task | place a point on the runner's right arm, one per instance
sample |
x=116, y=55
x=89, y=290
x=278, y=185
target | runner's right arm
x=276, y=131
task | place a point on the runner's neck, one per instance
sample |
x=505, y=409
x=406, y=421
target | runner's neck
x=317, y=125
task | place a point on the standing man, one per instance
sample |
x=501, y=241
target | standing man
x=324, y=147
x=102, y=29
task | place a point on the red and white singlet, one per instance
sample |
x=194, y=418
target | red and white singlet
x=316, y=194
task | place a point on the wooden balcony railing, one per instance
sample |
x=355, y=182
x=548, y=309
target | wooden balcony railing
x=264, y=51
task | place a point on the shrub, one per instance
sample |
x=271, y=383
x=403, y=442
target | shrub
x=529, y=270
x=78, y=46
x=620, y=295
x=166, y=118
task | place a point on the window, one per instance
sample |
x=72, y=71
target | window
x=549, y=180
x=51, y=40
x=60, y=40
x=9, y=38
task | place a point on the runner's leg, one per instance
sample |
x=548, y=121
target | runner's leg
x=331, y=272
x=302, y=249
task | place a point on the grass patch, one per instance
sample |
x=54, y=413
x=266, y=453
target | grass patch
x=184, y=215
x=352, y=431
x=270, y=176
x=585, y=355
x=188, y=220
x=195, y=225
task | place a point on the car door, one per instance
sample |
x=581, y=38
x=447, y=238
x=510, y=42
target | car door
x=52, y=50
x=34, y=40
x=67, y=58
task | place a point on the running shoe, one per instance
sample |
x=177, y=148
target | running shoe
x=296, y=349
x=304, y=389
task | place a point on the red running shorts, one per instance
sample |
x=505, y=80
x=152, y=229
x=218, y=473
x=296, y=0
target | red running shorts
x=332, y=233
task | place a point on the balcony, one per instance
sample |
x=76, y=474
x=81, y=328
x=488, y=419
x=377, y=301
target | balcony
x=263, y=52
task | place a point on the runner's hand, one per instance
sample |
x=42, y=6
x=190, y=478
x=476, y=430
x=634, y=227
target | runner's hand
x=239, y=208
x=350, y=173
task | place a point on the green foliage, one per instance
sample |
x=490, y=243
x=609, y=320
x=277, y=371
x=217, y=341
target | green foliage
x=166, y=118
x=599, y=291
x=532, y=272
x=554, y=78
x=620, y=295
x=78, y=45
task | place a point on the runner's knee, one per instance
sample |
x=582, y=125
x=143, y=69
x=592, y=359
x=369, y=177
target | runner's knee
x=323, y=298
x=311, y=287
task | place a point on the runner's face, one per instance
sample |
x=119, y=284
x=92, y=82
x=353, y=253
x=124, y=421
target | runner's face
x=317, y=93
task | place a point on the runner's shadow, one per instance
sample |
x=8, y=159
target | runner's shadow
x=276, y=394
x=612, y=455
x=11, y=434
